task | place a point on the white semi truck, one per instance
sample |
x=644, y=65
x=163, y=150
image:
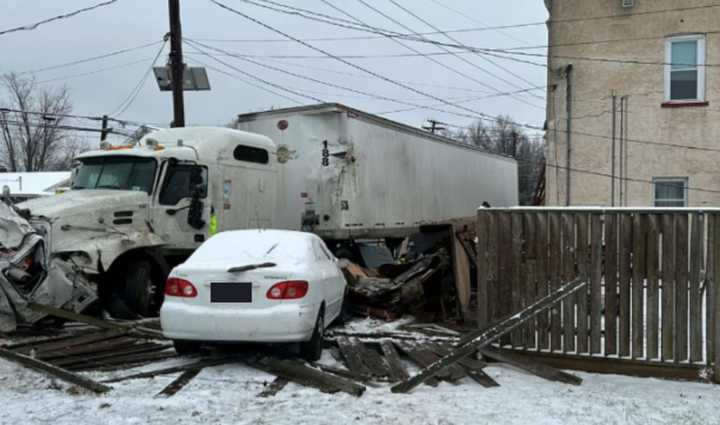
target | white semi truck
x=135, y=211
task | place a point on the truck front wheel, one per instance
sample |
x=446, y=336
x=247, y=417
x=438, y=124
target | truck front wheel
x=141, y=293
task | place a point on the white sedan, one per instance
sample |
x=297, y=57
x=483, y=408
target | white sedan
x=254, y=286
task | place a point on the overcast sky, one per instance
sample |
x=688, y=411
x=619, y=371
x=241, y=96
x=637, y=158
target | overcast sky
x=129, y=23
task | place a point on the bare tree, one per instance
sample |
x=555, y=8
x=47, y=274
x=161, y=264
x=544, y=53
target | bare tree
x=31, y=123
x=504, y=137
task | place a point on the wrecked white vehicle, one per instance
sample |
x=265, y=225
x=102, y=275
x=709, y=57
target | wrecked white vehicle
x=28, y=275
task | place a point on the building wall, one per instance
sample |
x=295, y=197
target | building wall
x=640, y=36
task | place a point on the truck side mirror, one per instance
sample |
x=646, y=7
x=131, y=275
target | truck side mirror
x=198, y=189
x=195, y=211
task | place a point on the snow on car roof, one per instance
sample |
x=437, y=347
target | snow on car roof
x=255, y=245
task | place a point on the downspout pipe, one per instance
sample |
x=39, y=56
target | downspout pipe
x=568, y=130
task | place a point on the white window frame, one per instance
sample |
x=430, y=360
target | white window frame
x=700, y=38
x=684, y=180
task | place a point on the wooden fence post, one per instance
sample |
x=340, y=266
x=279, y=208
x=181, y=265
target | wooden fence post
x=713, y=295
x=483, y=316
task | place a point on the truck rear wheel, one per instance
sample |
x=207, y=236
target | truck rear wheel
x=141, y=293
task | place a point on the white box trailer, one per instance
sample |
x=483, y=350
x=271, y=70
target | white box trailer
x=346, y=174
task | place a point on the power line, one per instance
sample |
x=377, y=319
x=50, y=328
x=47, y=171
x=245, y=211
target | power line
x=62, y=127
x=236, y=77
x=31, y=27
x=449, y=37
x=247, y=74
x=344, y=23
x=476, y=115
x=329, y=84
x=648, y=12
x=310, y=15
x=92, y=58
x=97, y=71
x=434, y=60
x=470, y=18
x=474, y=99
x=353, y=65
x=74, y=116
x=136, y=91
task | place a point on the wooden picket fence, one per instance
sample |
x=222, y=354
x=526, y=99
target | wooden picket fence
x=652, y=297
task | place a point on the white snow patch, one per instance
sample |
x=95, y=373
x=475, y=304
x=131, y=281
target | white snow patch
x=227, y=394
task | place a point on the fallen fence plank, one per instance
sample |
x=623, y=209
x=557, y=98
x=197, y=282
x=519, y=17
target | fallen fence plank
x=424, y=357
x=179, y=383
x=541, y=370
x=124, y=361
x=43, y=347
x=482, y=338
x=275, y=387
x=353, y=359
x=372, y=359
x=174, y=369
x=22, y=345
x=87, y=349
x=54, y=371
x=135, y=349
x=298, y=372
x=104, y=324
x=396, y=368
x=342, y=372
x=473, y=368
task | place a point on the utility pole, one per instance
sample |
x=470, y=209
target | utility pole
x=177, y=67
x=434, y=127
x=104, y=132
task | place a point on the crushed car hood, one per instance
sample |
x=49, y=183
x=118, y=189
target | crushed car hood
x=28, y=276
x=80, y=201
x=13, y=228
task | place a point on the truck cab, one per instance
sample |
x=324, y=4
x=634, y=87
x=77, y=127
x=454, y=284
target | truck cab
x=136, y=210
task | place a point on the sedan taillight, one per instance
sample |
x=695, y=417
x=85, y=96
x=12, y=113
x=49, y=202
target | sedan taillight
x=288, y=290
x=175, y=287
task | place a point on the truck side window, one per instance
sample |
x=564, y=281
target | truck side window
x=178, y=183
x=251, y=154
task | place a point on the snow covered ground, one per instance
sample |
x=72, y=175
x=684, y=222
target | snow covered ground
x=227, y=394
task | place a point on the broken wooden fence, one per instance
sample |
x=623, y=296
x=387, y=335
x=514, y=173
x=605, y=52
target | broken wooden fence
x=652, y=300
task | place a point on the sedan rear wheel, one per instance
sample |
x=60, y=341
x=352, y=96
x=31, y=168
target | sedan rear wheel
x=312, y=350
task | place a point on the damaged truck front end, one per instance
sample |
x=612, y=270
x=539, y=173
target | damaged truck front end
x=28, y=274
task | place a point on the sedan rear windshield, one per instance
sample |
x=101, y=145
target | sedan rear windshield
x=116, y=173
x=254, y=246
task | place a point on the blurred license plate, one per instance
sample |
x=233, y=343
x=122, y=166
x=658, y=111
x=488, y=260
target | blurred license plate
x=231, y=292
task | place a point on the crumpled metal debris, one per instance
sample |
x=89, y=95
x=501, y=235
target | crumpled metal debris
x=28, y=275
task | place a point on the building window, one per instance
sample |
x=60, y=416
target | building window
x=671, y=192
x=685, y=69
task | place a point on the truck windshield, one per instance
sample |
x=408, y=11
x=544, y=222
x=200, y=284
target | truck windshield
x=116, y=173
